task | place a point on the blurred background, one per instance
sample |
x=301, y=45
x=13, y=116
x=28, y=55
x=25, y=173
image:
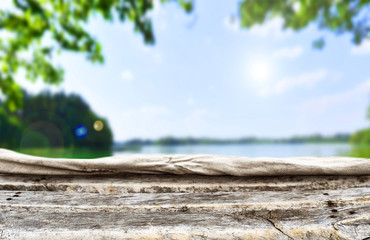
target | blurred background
x=85, y=79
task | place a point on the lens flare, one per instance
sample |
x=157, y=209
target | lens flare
x=98, y=125
x=80, y=131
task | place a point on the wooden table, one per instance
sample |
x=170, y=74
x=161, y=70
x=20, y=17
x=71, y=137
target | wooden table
x=135, y=206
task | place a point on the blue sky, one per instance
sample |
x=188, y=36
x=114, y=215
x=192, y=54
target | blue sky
x=206, y=77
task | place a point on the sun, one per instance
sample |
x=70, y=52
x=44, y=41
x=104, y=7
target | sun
x=260, y=71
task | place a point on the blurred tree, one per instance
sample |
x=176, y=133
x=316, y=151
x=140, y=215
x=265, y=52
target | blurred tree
x=10, y=130
x=37, y=29
x=171, y=141
x=361, y=137
x=49, y=121
x=338, y=16
x=361, y=141
x=56, y=116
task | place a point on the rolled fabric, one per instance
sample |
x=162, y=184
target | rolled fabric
x=15, y=163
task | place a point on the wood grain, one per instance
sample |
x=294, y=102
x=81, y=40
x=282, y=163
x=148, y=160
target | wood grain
x=140, y=206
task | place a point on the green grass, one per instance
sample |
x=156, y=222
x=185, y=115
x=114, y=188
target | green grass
x=65, y=152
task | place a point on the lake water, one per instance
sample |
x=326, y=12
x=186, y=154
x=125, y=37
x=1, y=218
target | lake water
x=252, y=150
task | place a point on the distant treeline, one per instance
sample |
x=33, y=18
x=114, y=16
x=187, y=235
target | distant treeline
x=172, y=141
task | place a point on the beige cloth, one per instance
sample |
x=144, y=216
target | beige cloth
x=16, y=163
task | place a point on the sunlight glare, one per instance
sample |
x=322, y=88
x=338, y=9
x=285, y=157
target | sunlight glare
x=260, y=71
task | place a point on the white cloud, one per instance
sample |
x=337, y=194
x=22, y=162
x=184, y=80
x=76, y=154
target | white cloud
x=7, y=5
x=208, y=40
x=158, y=15
x=190, y=101
x=306, y=80
x=197, y=122
x=153, y=111
x=156, y=8
x=289, y=52
x=155, y=54
x=325, y=102
x=162, y=17
x=362, y=49
x=142, y=122
x=273, y=28
x=37, y=86
x=303, y=80
x=157, y=57
x=127, y=75
x=145, y=112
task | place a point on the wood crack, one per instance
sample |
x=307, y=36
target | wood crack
x=277, y=228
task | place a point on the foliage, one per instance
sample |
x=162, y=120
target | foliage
x=338, y=16
x=49, y=121
x=41, y=28
x=10, y=130
x=361, y=141
x=361, y=137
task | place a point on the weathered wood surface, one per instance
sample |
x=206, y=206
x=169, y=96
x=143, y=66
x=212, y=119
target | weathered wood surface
x=184, y=207
x=216, y=165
